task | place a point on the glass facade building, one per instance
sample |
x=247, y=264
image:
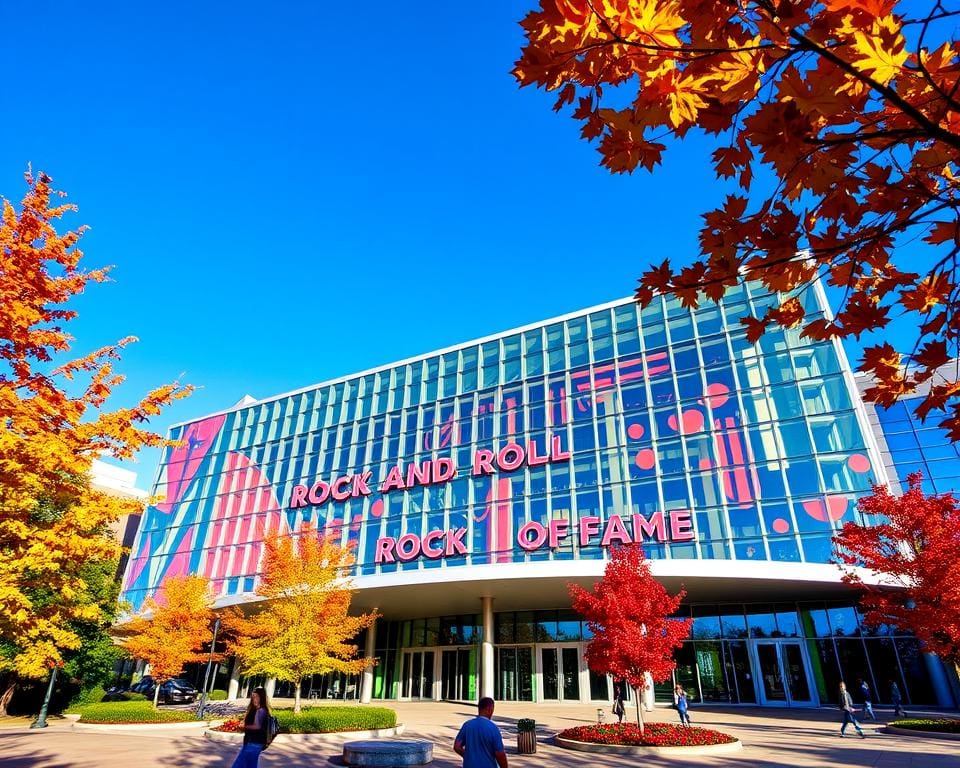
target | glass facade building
x=477, y=481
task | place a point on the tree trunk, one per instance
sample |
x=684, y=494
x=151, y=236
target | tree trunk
x=637, y=694
x=156, y=692
x=296, y=696
x=8, y=684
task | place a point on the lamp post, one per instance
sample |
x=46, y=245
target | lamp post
x=206, y=677
x=41, y=721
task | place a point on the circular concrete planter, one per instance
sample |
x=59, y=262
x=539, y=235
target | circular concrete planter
x=916, y=733
x=618, y=749
x=290, y=738
x=71, y=717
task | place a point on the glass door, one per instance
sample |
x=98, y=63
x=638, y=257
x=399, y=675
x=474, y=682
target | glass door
x=513, y=673
x=418, y=675
x=456, y=675
x=560, y=672
x=784, y=679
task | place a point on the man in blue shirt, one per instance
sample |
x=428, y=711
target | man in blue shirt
x=479, y=742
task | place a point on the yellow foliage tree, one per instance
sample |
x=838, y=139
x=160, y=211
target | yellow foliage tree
x=52, y=523
x=303, y=626
x=172, y=628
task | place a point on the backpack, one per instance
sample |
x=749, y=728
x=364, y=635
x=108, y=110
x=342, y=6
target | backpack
x=271, y=729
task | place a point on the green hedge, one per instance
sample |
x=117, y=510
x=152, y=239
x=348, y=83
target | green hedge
x=111, y=712
x=940, y=725
x=89, y=696
x=333, y=718
x=217, y=694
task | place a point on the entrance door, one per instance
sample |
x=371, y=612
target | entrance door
x=784, y=679
x=456, y=674
x=418, y=675
x=560, y=672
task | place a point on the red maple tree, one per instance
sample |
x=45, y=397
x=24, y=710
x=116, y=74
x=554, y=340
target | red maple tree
x=628, y=613
x=913, y=543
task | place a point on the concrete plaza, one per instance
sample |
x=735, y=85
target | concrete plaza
x=795, y=738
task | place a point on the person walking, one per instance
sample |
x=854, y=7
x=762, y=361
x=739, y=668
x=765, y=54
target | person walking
x=254, y=730
x=846, y=704
x=896, y=698
x=479, y=742
x=619, y=694
x=683, y=704
x=867, y=699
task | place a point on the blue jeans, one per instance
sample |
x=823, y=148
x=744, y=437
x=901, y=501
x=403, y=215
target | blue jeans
x=847, y=719
x=684, y=717
x=249, y=756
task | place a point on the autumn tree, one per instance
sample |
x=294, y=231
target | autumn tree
x=628, y=613
x=302, y=626
x=172, y=629
x=848, y=110
x=912, y=543
x=53, y=524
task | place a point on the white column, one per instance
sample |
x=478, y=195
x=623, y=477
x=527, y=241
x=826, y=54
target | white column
x=270, y=686
x=366, y=684
x=234, y=686
x=486, y=654
x=648, y=692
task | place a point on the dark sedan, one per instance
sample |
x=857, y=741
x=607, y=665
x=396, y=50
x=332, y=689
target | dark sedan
x=173, y=691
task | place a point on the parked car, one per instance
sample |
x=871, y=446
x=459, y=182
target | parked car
x=174, y=691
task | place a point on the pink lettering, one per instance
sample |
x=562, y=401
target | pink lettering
x=681, y=525
x=408, y=547
x=559, y=529
x=428, y=549
x=341, y=483
x=443, y=470
x=455, y=544
x=654, y=528
x=615, y=532
x=299, y=496
x=534, y=459
x=539, y=536
x=482, y=462
x=384, y=551
x=319, y=492
x=393, y=481
x=511, y=457
x=418, y=474
x=556, y=450
x=360, y=484
x=589, y=526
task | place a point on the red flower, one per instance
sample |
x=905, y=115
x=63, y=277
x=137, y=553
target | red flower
x=654, y=735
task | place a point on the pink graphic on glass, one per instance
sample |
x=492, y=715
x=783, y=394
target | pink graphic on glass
x=186, y=458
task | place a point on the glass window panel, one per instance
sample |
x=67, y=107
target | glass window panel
x=711, y=671
x=706, y=623
x=732, y=621
x=843, y=621
x=761, y=621
x=826, y=673
x=814, y=619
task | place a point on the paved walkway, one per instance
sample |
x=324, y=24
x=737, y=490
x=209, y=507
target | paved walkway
x=794, y=738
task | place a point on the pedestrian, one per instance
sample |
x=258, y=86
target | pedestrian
x=683, y=704
x=254, y=730
x=896, y=699
x=479, y=742
x=846, y=704
x=867, y=699
x=619, y=694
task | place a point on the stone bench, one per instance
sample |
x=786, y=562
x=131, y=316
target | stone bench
x=392, y=753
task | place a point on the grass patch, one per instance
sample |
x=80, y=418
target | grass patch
x=326, y=720
x=940, y=725
x=127, y=712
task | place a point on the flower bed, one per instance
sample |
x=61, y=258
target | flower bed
x=128, y=712
x=940, y=725
x=654, y=735
x=325, y=720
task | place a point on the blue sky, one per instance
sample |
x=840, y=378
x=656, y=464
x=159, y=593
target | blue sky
x=298, y=191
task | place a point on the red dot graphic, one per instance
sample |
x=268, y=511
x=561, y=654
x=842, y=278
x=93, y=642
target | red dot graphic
x=635, y=431
x=645, y=459
x=376, y=509
x=859, y=463
x=716, y=395
x=780, y=525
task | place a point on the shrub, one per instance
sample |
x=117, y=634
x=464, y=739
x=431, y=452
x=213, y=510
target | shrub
x=217, y=694
x=654, y=735
x=525, y=724
x=117, y=712
x=89, y=696
x=940, y=725
x=326, y=720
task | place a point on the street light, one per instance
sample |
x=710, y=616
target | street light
x=206, y=677
x=41, y=721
